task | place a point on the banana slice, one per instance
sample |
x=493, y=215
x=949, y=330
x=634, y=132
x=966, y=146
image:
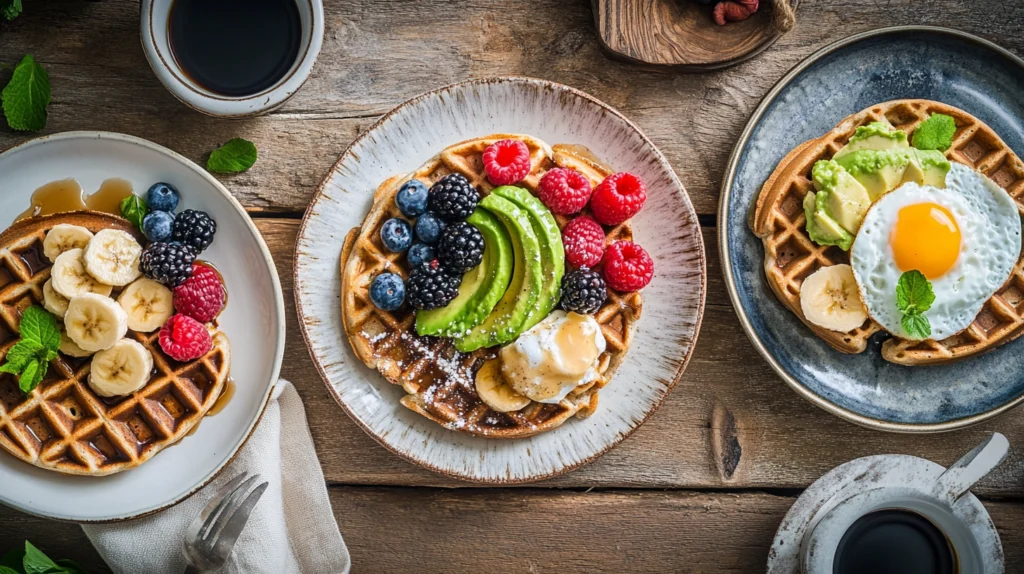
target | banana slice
x=148, y=305
x=112, y=257
x=69, y=277
x=494, y=391
x=53, y=301
x=121, y=369
x=95, y=322
x=64, y=237
x=69, y=348
x=830, y=299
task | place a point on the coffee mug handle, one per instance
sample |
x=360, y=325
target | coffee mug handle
x=971, y=467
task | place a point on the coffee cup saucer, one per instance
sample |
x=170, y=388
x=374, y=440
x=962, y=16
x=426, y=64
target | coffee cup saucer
x=874, y=472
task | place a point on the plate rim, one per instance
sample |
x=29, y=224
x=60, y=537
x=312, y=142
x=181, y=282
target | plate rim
x=278, y=307
x=421, y=462
x=723, y=243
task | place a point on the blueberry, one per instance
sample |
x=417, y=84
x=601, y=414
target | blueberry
x=162, y=197
x=429, y=228
x=419, y=254
x=157, y=226
x=387, y=291
x=412, y=198
x=396, y=235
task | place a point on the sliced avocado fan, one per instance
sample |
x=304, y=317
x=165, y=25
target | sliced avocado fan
x=481, y=287
x=552, y=253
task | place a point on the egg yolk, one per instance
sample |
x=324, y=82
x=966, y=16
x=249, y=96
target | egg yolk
x=926, y=237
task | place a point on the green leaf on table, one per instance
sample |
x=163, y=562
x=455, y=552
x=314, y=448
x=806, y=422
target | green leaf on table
x=235, y=156
x=936, y=132
x=36, y=562
x=133, y=208
x=6, y=570
x=70, y=566
x=10, y=9
x=26, y=96
x=13, y=560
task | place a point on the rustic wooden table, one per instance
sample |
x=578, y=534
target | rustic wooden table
x=704, y=484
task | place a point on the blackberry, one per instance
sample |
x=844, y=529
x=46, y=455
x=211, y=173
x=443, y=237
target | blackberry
x=583, y=291
x=453, y=198
x=431, y=286
x=194, y=228
x=461, y=247
x=168, y=263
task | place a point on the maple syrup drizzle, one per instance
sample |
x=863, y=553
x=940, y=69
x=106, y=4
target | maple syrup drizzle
x=66, y=195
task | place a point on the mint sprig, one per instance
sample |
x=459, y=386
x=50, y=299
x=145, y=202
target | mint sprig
x=30, y=357
x=914, y=296
x=31, y=560
x=235, y=156
x=26, y=96
x=133, y=208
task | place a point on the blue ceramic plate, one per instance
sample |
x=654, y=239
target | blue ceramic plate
x=904, y=62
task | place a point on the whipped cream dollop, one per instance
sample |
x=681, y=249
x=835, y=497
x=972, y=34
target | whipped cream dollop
x=553, y=357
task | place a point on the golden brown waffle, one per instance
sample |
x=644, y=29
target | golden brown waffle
x=790, y=255
x=62, y=424
x=438, y=379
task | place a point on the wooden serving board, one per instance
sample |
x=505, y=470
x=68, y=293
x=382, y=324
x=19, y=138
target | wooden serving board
x=681, y=34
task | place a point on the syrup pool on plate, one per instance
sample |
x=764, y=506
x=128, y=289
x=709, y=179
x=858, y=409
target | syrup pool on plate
x=66, y=195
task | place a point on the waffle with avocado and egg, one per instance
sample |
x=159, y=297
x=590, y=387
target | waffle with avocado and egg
x=446, y=357
x=810, y=211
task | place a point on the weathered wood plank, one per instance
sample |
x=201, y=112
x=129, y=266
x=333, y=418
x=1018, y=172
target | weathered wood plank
x=731, y=422
x=378, y=54
x=536, y=530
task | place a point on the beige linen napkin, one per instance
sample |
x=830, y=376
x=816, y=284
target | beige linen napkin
x=292, y=528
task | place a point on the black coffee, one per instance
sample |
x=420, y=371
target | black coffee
x=894, y=542
x=235, y=47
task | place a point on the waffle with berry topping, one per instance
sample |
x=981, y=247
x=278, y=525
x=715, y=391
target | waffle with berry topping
x=62, y=424
x=438, y=379
x=790, y=255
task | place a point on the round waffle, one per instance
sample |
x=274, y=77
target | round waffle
x=790, y=255
x=438, y=380
x=62, y=425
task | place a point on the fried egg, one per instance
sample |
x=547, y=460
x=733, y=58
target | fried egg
x=965, y=239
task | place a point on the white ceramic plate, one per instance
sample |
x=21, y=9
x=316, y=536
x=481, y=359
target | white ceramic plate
x=399, y=143
x=253, y=321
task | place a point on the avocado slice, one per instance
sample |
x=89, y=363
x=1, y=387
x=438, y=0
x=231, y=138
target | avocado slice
x=552, y=253
x=879, y=171
x=822, y=229
x=506, y=320
x=844, y=198
x=874, y=136
x=481, y=287
x=934, y=167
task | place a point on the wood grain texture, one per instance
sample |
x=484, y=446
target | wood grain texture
x=730, y=423
x=537, y=530
x=378, y=54
x=682, y=35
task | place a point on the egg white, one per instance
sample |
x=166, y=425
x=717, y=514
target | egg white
x=990, y=229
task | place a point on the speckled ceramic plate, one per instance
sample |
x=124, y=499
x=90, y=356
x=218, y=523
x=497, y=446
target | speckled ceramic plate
x=253, y=321
x=839, y=80
x=399, y=143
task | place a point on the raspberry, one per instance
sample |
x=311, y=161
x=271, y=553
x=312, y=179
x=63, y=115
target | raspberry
x=619, y=197
x=507, y=162
x=583, y=239
x=627, y=267
x=202, y=295
x=564, y=191
x=184, y=338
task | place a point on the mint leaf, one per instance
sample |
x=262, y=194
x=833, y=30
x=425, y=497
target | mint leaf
x=39, y=327
x=914, y=293
x=10, y=9
x=13, y=559
x=19, y=356
x=235, y=156
x=26, y=96
x=31, y=375
x=6, y=570
x=70, y=566
x=36, y=562
x=133, y=208
x=936, y=132
x=916, y=326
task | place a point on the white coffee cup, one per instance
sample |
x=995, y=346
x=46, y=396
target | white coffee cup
x=157, y=46
x=938, y=506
